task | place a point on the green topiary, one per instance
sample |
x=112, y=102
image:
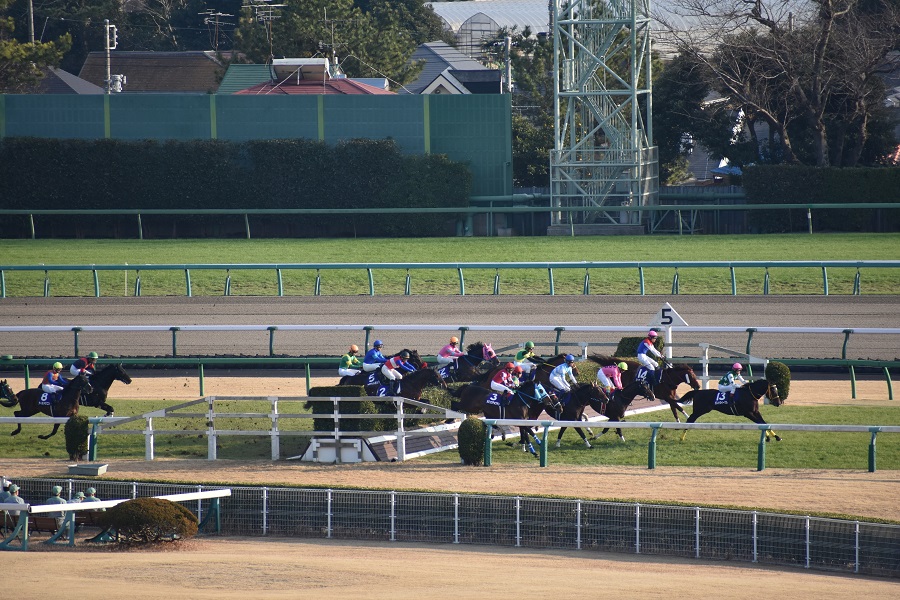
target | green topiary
x=628, y=346
x=471, y=441
x=779, y=374
x=148, y=520
x=76, y=432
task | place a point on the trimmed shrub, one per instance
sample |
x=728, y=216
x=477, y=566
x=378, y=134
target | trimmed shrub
x=628, y=346
x=76, y=432
x=148, y=520
x=365, y=407
x=779, y=374
x=471, y=441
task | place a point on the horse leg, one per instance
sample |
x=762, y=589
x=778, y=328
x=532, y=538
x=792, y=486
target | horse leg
x=51, y=434
x=584, y=439
x=756, y=417
x=559, y=436
x=110, y=411
x=524, y=432
x=691, y=419
x=18, y=429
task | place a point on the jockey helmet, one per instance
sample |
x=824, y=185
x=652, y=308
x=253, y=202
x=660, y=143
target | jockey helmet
x=454, y=340
x=518, y=370
x=652, y=333
x=570, y=358
x=93, y=355
x=57, y=366
x=623, y=366
x=354, y=348
x=404, y=354
x=509, y=366
x=529, y=345
x=378, y=344
x=737, y=366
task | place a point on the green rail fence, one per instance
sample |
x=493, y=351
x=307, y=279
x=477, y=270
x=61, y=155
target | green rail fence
x=549, y=267
x=481, y=205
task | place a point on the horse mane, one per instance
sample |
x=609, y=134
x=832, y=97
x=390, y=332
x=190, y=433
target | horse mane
x=604, y=360
x=473, y=346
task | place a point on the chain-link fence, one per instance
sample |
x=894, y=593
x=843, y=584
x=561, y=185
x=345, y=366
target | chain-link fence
x=542, y=523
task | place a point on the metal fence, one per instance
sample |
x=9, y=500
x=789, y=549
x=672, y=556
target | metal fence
x=540, y=523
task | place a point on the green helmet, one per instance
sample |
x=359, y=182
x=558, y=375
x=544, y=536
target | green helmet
x=93, y=355
x=57, y=365
x=623, y=366
x=529, y=345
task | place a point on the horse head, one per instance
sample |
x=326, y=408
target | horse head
x=7, y=393
x=678, y=374
x=121, y=375
x=488, y=354
x=81, y=384
x=414, y=358
x=434, y=378
x=772, y=393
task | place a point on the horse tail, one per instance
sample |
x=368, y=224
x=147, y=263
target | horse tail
x=689, y=397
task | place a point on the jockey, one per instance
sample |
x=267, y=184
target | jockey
x=374, y=358
x=85, y=365
x=523, y=356
x=610, y=377
x=729, y=381
x=503, y=382
x=516, y=376
x=53, y=382
x=559, y=375
x=450, y=353
x=350, y=365
x=645, y=349
x=391, y=369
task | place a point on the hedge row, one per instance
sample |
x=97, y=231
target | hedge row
x=788, y=184
x=273, y=174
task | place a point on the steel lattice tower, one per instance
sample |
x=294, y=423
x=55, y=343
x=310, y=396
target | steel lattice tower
x=603, y=150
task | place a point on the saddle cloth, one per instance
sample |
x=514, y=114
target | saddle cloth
x=47, y=399
x=494, y=398
x=721, y=398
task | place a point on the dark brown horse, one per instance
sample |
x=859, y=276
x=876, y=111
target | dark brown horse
x=471, y=364
x=614, y=410
x=411, y=386
x=371, y=377
x=100, y=381
x=580, y=397
x=528, y=402
x=744, y=403
x=29, y=402
x=666, y=389
x=540, y=373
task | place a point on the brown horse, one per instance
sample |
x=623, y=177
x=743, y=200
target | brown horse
x=371, y=377
x=672, y=376
x=540, y=373
x=471, y=364
x=744, y=403
x=28, y=400
x=614, y=410
x=411, y=386
x=580, y=397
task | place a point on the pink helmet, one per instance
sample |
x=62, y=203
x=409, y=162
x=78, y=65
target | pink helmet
x=737, y=366
x=652, y=333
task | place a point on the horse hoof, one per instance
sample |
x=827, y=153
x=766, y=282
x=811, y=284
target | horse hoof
x=777, y=438
x=587, y=444
x=558, y=444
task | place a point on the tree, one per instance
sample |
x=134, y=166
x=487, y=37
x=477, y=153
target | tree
x=799, y=66
x=22, y=62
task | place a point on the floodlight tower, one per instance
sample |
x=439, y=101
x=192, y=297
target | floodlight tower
x=603, y=153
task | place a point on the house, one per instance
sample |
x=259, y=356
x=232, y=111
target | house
x=446, y=70
x=241, y=78
x=291, y=76
x=158, y=72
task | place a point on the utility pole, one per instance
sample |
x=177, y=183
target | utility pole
x=112, y=40
x=31, y=21
x=212, y=18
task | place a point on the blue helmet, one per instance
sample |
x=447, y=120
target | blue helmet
x=378, y=344
x=570, y=358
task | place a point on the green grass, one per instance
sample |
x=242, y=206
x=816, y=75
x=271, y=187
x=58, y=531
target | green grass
x=445, y=281
x=798, y=450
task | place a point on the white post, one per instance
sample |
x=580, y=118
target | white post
x=108, y=76
x=210, y=429
x=276, y=441
x=401, y=433
x=669, y=343
x=148, y=439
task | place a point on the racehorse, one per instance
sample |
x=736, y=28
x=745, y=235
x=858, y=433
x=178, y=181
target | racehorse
x=580, y=397
x=101, y=380
x=614, y=410
x=28, y=400
x=745, y=403
x=540, y=373
x=469, y=365
x=411, y=386
x=363, y=377
x=672, y=376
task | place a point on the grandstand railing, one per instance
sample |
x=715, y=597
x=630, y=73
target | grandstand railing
x=704, y=533
x=370, y=268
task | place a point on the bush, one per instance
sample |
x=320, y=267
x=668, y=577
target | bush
x=76, y=432
x=779, y=374
x=364, y=407
x=148, y=520
x=471, y=441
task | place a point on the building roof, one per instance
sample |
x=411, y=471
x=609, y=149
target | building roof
x=505, y=13
x=307, y=86
x=191, y=72
x=239, y=77
x=57, y=81
x=438, y=57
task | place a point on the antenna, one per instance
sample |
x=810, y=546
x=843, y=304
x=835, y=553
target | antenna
x=265, y=13
x=333, y=45
x=212, y=18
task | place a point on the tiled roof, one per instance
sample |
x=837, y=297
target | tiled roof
x=240, y=77
x=438, y=56
x=192, y=72
x=329, y=86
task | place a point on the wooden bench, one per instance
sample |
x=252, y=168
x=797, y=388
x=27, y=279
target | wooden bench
x=87, y=518
x=38, y=523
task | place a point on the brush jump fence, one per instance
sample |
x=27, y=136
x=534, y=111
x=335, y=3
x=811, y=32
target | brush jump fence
x=765, y=538
x=279, y=268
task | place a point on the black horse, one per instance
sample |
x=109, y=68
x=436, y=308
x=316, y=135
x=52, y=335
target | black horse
x=411, y=386
x=368, y=377
x=614, y=410
x=528, y=402
x=744, y=403
x=667, y=389
x=29, y=402
x=580, y=397
x=470, y=365
x=100, y=381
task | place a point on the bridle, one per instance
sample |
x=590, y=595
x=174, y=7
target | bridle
x=770, y=388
